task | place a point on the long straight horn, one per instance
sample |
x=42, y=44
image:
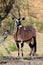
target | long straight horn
x=19, y=12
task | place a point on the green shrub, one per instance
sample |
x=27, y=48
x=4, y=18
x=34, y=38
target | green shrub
x=12, y=48
x=39, y=26
x=8, y=24
x=0, y=30
x=11, y=45
x=8, y=51
x=31, y=22
x=1, y=54
x=28, y=22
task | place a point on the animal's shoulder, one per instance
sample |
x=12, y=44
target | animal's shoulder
x=26, y=28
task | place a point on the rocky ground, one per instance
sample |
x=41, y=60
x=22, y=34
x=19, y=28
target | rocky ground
x=19, y=61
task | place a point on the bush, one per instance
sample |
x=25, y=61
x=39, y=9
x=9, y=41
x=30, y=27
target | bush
x=12, y=47
x=8, y=24
x=31, y=22
x=0, y=30
x=28, y=22
x=1, y=54
x=39, y=26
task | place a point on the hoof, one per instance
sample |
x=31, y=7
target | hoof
x=18, y=57
x=22, y=58
x=30, y=54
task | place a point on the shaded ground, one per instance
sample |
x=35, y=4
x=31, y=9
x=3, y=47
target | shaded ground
x=19, y=61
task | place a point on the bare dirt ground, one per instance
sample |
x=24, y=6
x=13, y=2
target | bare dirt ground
x=27, y=60
x=20, y=61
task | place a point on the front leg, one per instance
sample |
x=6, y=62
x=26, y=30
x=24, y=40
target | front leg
x=18, y=49
x=22, y=44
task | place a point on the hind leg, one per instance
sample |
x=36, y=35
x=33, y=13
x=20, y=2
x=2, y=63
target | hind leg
x=34, y=49
x=22, y=44
x=31, y=44
x=18, y=49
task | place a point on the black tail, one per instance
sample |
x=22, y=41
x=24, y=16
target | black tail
x=35, y=43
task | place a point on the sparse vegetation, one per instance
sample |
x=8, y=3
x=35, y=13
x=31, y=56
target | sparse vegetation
x=7, y=46
x=1, y=54
x=8, y=24
x=31, y=22
x=39, y=26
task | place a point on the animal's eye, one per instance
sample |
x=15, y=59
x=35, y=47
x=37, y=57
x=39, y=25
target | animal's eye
x=23, y=18
x=12, y=17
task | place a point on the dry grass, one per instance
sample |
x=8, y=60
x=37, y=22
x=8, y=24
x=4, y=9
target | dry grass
x=40, y=43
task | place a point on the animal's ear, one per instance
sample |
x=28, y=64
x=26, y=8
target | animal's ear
x=23, y=18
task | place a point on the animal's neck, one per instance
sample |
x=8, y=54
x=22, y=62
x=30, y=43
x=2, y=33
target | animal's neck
x=17, y=28
x=20, y=25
